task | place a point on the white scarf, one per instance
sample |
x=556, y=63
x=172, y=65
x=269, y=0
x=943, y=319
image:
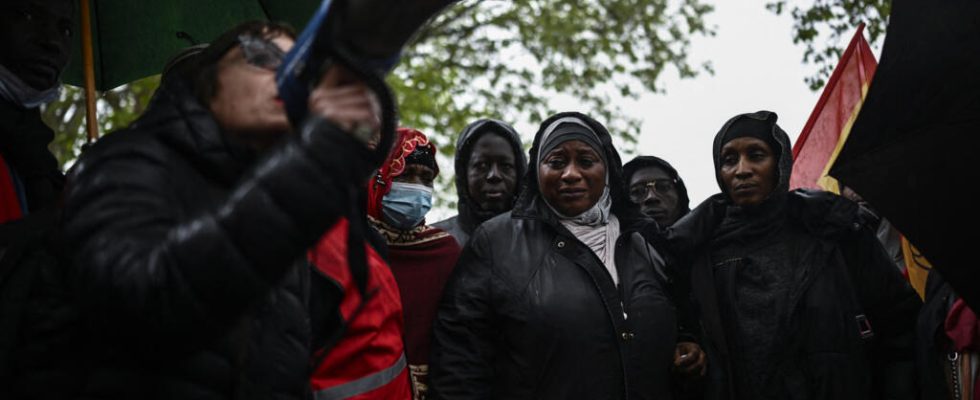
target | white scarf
x=14, y=90
x=601, y=239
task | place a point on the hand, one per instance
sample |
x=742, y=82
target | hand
x=345, y=101
x=689, y=359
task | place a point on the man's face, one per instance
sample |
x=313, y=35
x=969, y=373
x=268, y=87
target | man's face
x=246, y=102
x=655, y=192
x=491, y=173
x=36, y=35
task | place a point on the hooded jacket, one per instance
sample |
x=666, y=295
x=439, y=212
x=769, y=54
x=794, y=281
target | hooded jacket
x=640, y=162
x=532, y=313
x=797, y=297
x=188, y=254
x=469, y=215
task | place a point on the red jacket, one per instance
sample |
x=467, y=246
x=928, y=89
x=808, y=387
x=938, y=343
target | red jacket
x=368, y=362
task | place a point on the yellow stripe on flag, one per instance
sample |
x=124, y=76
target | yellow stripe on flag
x=917, y=266
x=826, y=181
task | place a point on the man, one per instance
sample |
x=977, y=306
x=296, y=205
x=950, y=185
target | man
x=659, y=192
x=657, y=189
x=36, y=37
x=490, y=164
x=35, y=340
x=188, y=230
x=421, y=257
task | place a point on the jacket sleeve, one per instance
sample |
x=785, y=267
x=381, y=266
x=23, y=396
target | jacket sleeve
x=146, y=267
x=892, y=308
x=463, y=351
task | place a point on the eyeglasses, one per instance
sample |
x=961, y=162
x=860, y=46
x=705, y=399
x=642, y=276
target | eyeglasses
x=641, y=191
x=260, y=52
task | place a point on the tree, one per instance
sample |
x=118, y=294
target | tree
x=116, y=108
x=823, y=27
x=502, y=59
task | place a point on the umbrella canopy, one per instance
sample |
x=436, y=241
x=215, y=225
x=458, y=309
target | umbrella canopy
x=134, y=39
x=911, y=150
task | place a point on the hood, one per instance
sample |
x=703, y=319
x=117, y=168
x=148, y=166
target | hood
x=784, y=163
x=527, y=206
x=683, y=201
x=469, y=214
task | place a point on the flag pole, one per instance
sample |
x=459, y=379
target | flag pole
x=88, y=59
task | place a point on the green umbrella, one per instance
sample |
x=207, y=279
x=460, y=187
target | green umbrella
x=125, y=40
x=129, y=40
x=134, y=39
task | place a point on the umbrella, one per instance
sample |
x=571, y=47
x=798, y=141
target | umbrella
x=124, y=40
x=911, y=148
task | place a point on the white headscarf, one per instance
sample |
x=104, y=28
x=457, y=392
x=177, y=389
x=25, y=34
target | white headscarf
x=596, y=227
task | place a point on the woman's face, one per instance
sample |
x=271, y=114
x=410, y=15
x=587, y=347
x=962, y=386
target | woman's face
x=572, y=177
x=247, y=101
x=748, y=170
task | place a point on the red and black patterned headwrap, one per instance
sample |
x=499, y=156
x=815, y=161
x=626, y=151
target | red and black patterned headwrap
x=411, y=147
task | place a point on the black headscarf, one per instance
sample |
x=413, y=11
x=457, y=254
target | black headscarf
x=529, y=195
x=744, y=223
x=470, y=214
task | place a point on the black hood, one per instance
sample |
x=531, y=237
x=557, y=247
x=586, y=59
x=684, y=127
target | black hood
x=784, y=153
x=469, y=214
x=527, y=201
x=640, y=162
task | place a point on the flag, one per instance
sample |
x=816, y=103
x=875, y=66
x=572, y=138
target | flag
x=830, y=122
x=916, y=266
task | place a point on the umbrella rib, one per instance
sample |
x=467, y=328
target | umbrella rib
x=97, y=55
x=264, y=10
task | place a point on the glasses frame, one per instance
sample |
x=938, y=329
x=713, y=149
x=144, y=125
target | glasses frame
x=651, y=186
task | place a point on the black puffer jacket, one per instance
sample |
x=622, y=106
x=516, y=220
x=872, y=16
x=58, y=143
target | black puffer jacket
x=797, y=297
x=188, y=254
x=469, y=215
x=37, y=319
x=531, y=313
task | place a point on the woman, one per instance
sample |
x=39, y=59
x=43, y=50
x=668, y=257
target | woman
x=558, y=299
x=420, y=257
x=797, y=297
x=187, y=229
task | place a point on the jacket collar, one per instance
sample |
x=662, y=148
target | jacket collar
x=188, y=126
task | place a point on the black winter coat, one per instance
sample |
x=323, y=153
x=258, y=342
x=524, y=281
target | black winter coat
x=37, y=319
x=188, y=254
x=531, y=313
x=797, y=297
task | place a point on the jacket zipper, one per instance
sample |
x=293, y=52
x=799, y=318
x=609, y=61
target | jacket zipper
x=954, y=366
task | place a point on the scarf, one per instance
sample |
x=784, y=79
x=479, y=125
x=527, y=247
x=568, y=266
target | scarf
x=14, y=90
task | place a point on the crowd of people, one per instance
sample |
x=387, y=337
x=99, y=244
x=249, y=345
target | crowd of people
x=204, y=252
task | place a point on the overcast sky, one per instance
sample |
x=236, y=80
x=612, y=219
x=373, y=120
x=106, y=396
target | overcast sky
x=757, y=67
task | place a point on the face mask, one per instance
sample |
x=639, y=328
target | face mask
x=16, y=91
x=406, y=204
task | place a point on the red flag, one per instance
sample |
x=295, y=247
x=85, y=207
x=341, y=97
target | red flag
x=831, y=120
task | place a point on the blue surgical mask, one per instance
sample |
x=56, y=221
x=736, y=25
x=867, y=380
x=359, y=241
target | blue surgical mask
x=405, y=206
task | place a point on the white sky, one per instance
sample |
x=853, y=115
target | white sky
x=757, y=67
